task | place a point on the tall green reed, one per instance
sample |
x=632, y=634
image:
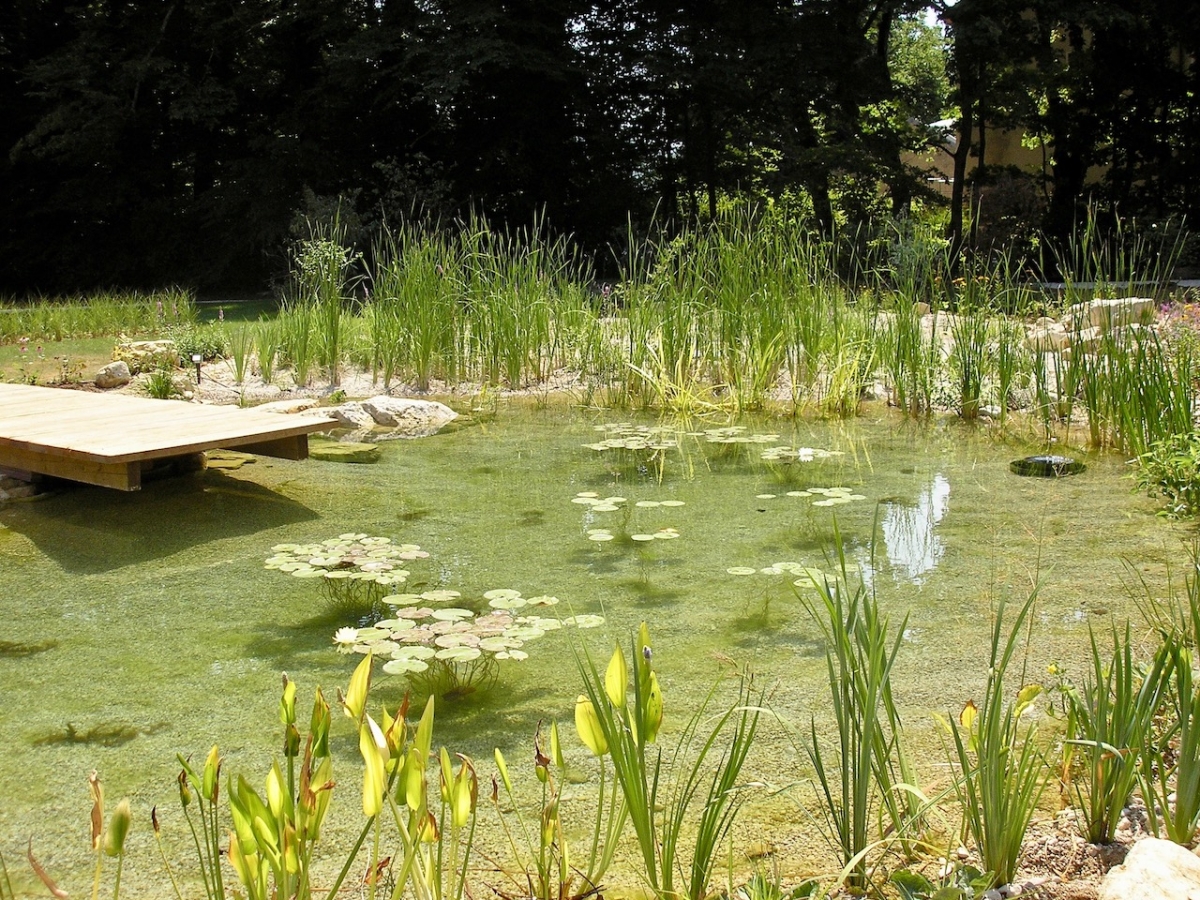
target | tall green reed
x=861, y=780
x=322, y=279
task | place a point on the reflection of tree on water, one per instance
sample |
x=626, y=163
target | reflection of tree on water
x=909, y=532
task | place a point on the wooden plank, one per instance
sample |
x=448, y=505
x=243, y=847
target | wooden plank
x=125, y=476
x=294, y=447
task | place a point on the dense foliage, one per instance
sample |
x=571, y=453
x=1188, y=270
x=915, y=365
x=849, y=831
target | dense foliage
x=181, y=140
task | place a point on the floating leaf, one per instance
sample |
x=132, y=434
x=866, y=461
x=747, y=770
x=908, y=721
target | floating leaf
x=764, y=496
x=405, y=666
x=458, y=654
x=600, y=536
x=741, y=570
x=672, y=503
x=515, y=655
x=586, y=620
x=501, y=594
x=606, y=507
x=452, y=614
x=641, y=537
x=543, y=600
x=647, y=504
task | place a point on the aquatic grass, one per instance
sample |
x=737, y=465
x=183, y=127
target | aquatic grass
x=100, y=314
x=970, y=356
x=298, y=340
x=1000, y=767
x=629, y=720
x=859, y=779
x=1013, y=362
x=322, y=280
x=1109, y=722
x=267, y=340
x=1114, y=261
x=241, y=346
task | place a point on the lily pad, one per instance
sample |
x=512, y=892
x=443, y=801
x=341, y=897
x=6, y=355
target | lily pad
x=501, y=594
x=647, y=504
x=672, y=503
x=586, y=620
x=600, y=536
x=405, y=666
x=413, y=652
x=459, y=654
x=452, y=614
x=641, y=537
x=543, y=600
x=741, y=570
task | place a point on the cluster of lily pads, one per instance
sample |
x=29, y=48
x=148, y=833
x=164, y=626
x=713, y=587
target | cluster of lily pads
x=612, y=504
x=798, y=454
x=807, y=576
x=355, y=569
x=424, y=633
x=627, y=436
x=734, y=434
x=602, y=535
x=830, y=496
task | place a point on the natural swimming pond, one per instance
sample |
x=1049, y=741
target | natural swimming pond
x=139, y=626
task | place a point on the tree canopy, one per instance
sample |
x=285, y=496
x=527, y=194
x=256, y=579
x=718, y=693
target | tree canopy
x=181, y=140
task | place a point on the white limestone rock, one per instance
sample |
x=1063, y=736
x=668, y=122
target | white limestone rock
x=114, y=375
x=351, y=415
x=288, y=407
x=1154, y=870
x=1113, y=312
x=409, y=418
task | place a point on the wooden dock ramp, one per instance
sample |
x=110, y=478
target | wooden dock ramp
x=109, y=439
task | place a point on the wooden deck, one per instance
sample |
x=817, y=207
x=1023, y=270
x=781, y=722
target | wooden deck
x=109, y=439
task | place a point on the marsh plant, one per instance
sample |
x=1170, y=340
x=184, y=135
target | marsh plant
x=1000, y=767
x=866, y=776
x=1170, y=470
x=546, y=866
x=1110, y=718
x=622, y=711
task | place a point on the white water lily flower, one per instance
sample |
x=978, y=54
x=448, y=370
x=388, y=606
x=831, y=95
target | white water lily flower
x=346, y=636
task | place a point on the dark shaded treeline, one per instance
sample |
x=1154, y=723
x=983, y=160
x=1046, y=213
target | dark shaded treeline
x=179, y=140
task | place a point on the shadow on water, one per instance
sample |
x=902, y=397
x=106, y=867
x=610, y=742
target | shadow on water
x=89, y=530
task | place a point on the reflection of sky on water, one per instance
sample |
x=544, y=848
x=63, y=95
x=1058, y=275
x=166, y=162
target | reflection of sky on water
x=910, y=532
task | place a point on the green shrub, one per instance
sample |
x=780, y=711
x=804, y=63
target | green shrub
x=1171, y=470
x=191, y=338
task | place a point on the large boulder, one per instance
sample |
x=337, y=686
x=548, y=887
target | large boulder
x=1047, y=336
x=409, y=418
x=288, y=407
x=1154, y=870
x=114, y=375
x=351, y=415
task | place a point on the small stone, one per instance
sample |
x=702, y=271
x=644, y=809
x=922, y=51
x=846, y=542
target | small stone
x=228, y=459
x=760, y=850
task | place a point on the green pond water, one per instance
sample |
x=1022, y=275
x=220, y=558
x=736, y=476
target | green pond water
x=138, y=626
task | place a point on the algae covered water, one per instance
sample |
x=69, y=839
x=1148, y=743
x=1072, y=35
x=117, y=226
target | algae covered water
x=139, y=626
